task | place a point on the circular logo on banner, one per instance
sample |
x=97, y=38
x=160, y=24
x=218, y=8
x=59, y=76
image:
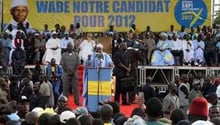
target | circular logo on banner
x=191, y=13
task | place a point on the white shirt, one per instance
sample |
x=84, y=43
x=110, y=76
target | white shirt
x=64, y=42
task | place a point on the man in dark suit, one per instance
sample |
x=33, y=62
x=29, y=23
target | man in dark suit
x=122, y=69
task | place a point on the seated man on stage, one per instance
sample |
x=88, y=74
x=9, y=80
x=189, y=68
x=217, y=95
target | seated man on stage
x=176, y=50
x=162, y=54
x=188, y=51
x=98, y=59
x=199, y=47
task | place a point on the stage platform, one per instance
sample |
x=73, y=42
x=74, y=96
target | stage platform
x=163, y=75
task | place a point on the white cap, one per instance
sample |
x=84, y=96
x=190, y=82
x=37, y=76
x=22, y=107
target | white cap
x=54, y=32
x=163, y=34
x=99, y=45
x=15, y=3
x=200, y=122
x=64, y=116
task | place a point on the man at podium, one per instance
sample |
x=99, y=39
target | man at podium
x=97, y=61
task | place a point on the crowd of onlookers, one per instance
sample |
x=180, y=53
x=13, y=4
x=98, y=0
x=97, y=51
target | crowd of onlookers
x=28, y=97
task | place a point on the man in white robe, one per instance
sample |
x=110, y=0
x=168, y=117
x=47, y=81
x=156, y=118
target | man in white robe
x=188, y=51
x=199, y=47
x=162, y=55
x=53, y=49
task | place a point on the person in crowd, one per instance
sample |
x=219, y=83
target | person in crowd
x=198, y=110
x=148, y=90
x=25, y=88
x=130, y=40
x=44, y=89
x=70, y=61
x=195, y=91
x=85, y=120
x=199, y=47
x=36, y=98
x=214, y=112
x=150, y=45
x=36, y=73
x=18, y=59
x=14, y=109
x=3, y=59
x=62, y=104
x=154, y=111
x=177, y=115
x=23, y=107
x=64, y=41
x=117, y=39
x=4, y=89
x=19, y=11
x=122, y=69
x=71, y=29
x=30, y=118
x=212, y=99
x=183, y=93
x=53, y=49
x=54, y=73
x=170, y=101
x=162, y=54
x=106, y=113
x=39, y=47
x=177, y=49
x=86, y=47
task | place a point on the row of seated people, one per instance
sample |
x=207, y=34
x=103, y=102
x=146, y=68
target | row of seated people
x=171, y=49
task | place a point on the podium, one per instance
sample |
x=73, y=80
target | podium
x=99, y=87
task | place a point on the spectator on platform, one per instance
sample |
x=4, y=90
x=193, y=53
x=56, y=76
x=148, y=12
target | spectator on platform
x=177, y=49
x=53, y=49
x=18, y=59
x=188, y=51
x=86, y=47
x=19, y=12
x=54, y=73
x=46, y=31
x=6, y=44
x=122, y=69
x=199, y=48
x=64, y=41
x=162, y=54
x=29, y=47
x=218, y=49
x=71, y=30
x=78, y=30
x=210, y=50
x=170, y=101
x=39, y=47
x=182, y=32
x=150, y=45
x=70, y=61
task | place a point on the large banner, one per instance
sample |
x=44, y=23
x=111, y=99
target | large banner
x=98, y=15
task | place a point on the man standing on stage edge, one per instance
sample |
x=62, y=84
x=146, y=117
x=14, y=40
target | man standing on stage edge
x=70, y=62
